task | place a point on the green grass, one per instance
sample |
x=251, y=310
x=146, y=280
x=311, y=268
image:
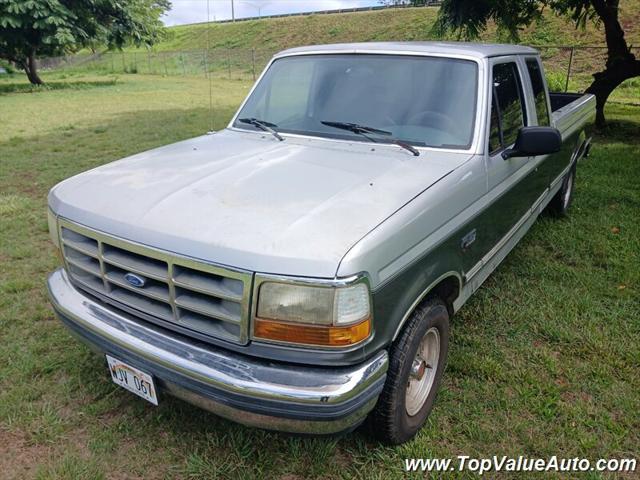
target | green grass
x=24, y=87
x=544, y=359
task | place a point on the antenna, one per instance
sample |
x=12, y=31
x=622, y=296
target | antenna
x=206, y=65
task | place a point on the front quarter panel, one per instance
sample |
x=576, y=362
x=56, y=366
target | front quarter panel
x=419, y=244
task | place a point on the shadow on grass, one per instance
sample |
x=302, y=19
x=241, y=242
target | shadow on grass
x=623, y=124
x=7, y=88
x=617, y=130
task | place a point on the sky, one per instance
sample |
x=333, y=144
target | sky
x=194, y=11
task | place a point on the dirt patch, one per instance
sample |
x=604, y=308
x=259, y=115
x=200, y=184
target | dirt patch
x=26, y=182
x=18, y=457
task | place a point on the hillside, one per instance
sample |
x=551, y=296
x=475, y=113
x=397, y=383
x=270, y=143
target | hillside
x=391, y=24
x=240, y=50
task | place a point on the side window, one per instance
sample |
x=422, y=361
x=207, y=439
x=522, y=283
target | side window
x=507, y=109
x=540, y=97
x=495, y=135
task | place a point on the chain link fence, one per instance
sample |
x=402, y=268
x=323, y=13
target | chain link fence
x=233, y=64
x=569, y=68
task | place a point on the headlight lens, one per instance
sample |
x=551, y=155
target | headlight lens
x=313, y=315
x=295, y=303
x=52, y=220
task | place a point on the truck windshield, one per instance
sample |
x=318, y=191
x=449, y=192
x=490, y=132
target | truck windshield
x=422, y=101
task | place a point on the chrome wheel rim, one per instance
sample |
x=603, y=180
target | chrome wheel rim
x=423, y=371
x=567, y=193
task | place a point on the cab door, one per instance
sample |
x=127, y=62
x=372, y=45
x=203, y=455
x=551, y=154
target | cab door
x=516, y=183
x=551, y=166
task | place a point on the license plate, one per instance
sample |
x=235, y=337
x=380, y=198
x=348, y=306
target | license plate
x=132, y=379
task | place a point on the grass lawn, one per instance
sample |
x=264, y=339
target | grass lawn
x=544, y=359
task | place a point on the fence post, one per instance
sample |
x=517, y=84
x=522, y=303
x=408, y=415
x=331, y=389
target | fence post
x=149, y=61
x=253, y=63
x=135, y=61
x=566, y=85
x=113, y=68
x=184, y=70
x=229, y=61
x=124, y=68
x=164, y=62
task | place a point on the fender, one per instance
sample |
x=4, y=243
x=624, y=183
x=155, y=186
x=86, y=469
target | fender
x=423, y=295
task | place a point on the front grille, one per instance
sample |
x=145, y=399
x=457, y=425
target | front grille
x=207, y=299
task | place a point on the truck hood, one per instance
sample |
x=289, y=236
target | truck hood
x=246, y=200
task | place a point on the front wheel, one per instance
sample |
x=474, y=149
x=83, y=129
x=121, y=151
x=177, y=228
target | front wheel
x=416, y=364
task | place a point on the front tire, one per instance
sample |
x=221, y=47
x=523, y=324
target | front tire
x=416, y=363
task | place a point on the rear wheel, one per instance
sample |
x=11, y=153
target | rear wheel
x=560, y=203
x=416, y=364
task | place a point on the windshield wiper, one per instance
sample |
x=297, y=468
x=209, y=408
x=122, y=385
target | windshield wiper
x=407, y=146
x=263, y=125
x=364, y=130
x=355, y=127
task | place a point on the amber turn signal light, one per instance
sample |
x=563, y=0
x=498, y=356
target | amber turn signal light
x=321, y=335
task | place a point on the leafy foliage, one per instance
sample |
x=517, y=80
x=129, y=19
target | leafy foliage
x=7, y=67
x=470, y=17
x=54, y=27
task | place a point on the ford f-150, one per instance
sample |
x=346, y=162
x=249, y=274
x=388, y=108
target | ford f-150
x=297, y=270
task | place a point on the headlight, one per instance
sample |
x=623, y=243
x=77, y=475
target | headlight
x=333, y=316
x=52, y=220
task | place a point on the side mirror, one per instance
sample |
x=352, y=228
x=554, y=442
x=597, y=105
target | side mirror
x=533, y=141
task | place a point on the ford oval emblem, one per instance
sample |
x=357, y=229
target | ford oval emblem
x=135, y=280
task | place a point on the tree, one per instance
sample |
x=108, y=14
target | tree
x=29, y=28
x=470, y=17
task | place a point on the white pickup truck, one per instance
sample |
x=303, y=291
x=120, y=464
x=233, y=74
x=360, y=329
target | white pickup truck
x=297, y=271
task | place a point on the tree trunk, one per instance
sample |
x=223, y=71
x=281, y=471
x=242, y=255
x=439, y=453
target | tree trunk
x=31, y=69
x=621, y=63
x=606, y=82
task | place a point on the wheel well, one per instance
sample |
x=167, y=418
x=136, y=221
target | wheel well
x=448, y=290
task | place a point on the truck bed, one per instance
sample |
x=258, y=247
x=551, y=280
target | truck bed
x=570, y=109
x=562, y=99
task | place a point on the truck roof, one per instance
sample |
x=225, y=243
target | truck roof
x=469, y=49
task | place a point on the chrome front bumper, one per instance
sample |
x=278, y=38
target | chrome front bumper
x=254, y=392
